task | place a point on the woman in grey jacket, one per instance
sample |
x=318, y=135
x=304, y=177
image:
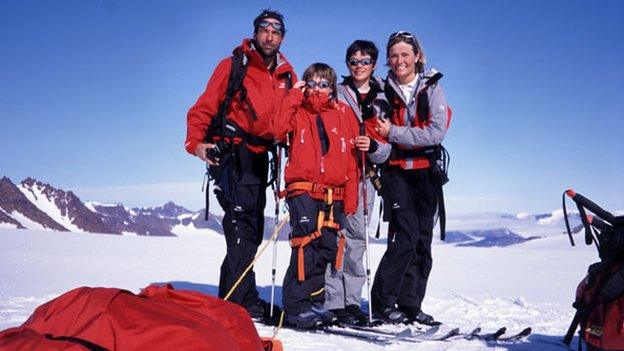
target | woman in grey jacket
x=410, y=144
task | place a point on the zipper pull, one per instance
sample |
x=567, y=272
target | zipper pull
x=302, y=133
x=344, y=146
x=322, y=164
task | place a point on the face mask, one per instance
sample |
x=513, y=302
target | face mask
x=317, y=100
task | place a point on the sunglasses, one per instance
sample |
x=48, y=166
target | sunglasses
x=401, y=33
x=276, y=25
x=365, y=62
x=323, y=84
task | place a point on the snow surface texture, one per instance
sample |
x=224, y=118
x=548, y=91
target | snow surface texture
x=528, y=284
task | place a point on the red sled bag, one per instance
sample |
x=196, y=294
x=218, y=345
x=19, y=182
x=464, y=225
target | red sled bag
x=159, y=318
x=600, y=296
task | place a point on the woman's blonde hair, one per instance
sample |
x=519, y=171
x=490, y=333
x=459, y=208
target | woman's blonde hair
x=408, y=38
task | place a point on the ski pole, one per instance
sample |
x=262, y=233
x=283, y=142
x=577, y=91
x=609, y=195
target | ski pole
x=365, y=210
x=276, y=190
x=240, y=279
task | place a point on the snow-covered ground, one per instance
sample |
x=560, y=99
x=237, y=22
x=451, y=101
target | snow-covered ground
x=530, y=284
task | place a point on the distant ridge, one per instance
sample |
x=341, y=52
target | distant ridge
x=33, y=204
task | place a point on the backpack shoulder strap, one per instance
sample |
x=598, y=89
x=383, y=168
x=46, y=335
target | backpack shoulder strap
x=422, y=109
x=433, y=79
x=238, y=70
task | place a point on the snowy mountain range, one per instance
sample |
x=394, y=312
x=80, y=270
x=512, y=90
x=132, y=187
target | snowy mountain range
x=33, y=204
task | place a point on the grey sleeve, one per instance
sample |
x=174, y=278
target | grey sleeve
x=431, y=134
x=381, y=154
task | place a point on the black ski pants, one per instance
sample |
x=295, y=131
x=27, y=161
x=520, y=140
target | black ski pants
x=410, y=199
x=240, y=186
x=299, y=296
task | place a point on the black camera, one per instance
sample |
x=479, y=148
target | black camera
x=220, y=148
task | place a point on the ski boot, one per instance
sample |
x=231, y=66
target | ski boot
x=389, y=315
x=415, y=314
x=307, y=319
x=344, y=317
x=359, y=317
x=328, y=317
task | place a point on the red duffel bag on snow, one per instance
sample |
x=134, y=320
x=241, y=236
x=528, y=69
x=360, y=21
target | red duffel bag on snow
x=159, y=318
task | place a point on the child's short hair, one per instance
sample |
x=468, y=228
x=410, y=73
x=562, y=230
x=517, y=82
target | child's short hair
x=365, y=47
x=322, y=70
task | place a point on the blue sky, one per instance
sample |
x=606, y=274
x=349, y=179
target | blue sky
x=94, y=94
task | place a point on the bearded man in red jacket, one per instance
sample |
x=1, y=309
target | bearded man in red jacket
x=235, y=144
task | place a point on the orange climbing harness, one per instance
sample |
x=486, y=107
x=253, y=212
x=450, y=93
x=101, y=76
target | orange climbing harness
x=300, y=242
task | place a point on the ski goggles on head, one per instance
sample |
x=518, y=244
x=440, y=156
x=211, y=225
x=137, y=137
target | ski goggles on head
x=364, y=62
x=323, y=84
x=401, y=33
x=276, y=25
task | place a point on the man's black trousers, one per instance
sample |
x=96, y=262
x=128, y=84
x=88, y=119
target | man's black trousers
x=240, y=186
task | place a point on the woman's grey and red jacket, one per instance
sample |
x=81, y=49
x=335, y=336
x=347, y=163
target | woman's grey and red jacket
x=407, y=132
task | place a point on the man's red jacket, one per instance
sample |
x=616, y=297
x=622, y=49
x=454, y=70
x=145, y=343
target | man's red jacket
x=265, y=90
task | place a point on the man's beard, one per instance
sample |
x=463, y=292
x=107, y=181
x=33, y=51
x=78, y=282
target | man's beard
x=266, y=55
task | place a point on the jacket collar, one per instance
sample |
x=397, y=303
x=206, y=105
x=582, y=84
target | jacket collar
x=255, y=58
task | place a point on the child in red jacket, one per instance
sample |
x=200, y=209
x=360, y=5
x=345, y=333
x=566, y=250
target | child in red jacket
x=321, y=179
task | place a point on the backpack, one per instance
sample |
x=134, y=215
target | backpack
x=599, y=300
x=222, y=132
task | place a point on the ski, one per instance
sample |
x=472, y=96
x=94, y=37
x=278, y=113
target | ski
x=372, y=337
x=386, y=337
x=492, y=336
x=451, y=333
x=519, y=336
x=473, y=334
x=377, y=330
x=372, y=329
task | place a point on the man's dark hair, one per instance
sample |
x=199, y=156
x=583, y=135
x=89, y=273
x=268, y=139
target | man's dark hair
x=268, y=13
x=364, y=46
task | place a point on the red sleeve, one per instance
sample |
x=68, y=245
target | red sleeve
x=199, y=116
x=353, y=174
x=370, y=124
x=283, y=122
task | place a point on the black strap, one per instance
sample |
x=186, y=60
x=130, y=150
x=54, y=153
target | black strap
x=206, y=189
x=441, y=212
x=380, y=218
x=86, y=343
x=572, y=328
x=236, y=76
x=422, y=108
x=434, y=79
x=565, y=217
